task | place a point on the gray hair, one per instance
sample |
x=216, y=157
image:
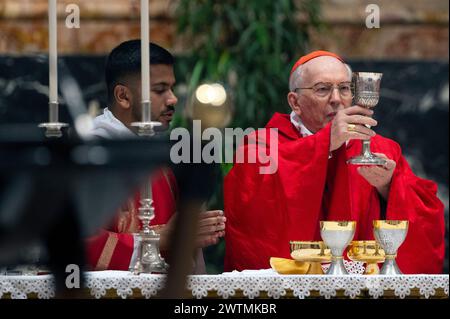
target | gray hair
x=295, y=80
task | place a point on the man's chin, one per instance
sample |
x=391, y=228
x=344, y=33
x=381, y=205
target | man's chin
x=163, y=127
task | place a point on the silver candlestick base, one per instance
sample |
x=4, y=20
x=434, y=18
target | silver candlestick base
x=146, y=129
x=148, y=259
x=53, y=127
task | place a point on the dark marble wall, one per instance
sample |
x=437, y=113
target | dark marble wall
x=24, y=86
x=413, y=108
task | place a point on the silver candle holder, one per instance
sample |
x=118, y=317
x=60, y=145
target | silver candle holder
x=146, y=128
x=149, y=258
x=53, y=126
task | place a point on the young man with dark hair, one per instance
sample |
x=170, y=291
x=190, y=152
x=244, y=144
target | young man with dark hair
x=116, y=248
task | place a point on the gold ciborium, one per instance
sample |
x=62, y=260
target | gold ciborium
x=369, y=252
x=313, y=252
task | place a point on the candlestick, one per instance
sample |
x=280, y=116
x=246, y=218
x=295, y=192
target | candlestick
x=53, y=127
x=146, y=126
x=145, y=56
x=53, y=51
x=148, y=259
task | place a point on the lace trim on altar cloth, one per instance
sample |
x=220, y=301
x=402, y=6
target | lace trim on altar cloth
x=250, y=283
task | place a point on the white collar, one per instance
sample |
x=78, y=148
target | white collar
x=295, y=120
x=108, y=126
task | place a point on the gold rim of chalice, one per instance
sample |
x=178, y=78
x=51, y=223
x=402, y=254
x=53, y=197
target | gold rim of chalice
x=368, y=251
x=310, y=251
x=390, y=224
x=338, y=225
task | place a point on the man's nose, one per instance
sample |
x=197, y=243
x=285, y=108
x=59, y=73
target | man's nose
x=172, y=99
x=335, y=98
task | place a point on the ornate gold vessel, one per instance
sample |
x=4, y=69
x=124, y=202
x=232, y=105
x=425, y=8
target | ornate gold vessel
x=369, y=252
x=390, y=234
x=312, y=252
x=337, y=235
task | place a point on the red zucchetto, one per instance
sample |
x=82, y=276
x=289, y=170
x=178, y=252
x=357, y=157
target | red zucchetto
x=313, y=55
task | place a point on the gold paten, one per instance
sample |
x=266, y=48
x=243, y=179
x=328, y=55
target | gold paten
x=369, y=252
x=312, y=252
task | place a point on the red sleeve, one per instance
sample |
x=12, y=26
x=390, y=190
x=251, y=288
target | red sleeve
x=414, y=199
x=113, y=249
x=288, y=205
x=109, y=251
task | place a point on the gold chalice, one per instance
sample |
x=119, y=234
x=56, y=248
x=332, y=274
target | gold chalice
x=312, y=252
x=390, y=234
x=369, y=252
x=337, y=235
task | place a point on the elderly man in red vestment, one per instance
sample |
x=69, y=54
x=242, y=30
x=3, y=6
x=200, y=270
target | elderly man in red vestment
x=115, y=248
x=312, y=181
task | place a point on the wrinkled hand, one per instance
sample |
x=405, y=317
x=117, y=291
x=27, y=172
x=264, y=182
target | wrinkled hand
x=379, y=176
x=211, y=226
x=357, y=115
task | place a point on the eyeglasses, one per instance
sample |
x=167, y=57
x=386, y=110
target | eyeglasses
x=324, y=89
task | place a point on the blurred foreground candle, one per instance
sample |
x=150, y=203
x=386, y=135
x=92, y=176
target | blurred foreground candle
x=145, y=61
x=53, y=53
x=53, y=127
x=145, y=127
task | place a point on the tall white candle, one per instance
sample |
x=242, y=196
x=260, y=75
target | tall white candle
x=53, y=51
x=145, y=59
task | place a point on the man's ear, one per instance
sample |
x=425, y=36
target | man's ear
x=123, y=96
x=293, y=102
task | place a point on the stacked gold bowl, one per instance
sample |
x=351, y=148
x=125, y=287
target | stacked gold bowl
x=313, y=252
x=369, y=252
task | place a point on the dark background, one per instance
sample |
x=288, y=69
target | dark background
x=413, y=109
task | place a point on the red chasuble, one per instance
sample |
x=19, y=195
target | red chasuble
x=112, y=248
x=265, y=212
